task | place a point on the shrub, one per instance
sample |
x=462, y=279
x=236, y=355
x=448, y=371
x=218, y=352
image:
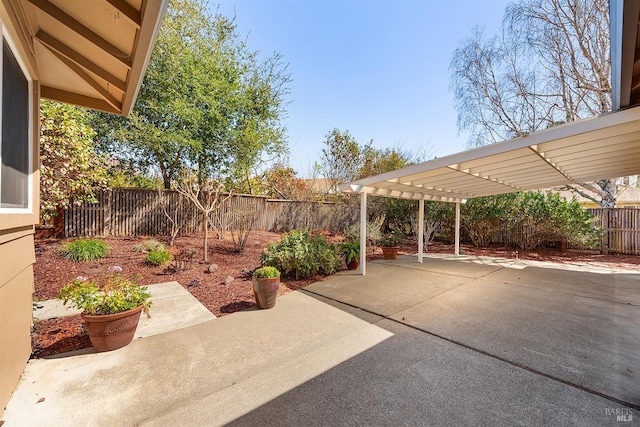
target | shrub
x=300, y=255
x=373, y=232
x=483, y=216
x=115, y=295
x=439, y=218
x=391, y=239
x=148, y=246
x=241, y=225
x=546, y=216
x=266, y=273
x=85, y=250
x=350, y=250
x=158, y=257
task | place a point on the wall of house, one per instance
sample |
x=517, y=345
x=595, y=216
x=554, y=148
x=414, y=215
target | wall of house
x=17, y=253
x=16, y=289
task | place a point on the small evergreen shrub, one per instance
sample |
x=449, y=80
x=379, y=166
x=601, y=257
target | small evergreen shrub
x=300, y=255
x=85, y=250
x=266, y=273
x=158, y=257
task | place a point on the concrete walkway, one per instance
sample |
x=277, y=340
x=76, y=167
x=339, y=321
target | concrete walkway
x=464, y=341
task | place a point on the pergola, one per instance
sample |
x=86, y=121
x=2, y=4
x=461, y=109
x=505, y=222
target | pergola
x=607, y=146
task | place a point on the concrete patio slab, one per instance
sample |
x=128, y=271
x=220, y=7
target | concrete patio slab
x=467, y=266
x=386, y=289
x=514, y=343
x=415, y=380
x=156, y=375
x=581, y=327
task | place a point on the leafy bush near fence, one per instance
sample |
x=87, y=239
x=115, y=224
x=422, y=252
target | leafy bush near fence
x=547, y=216
x=483, y=216
x=301, y=255
x=439, y=219
x=533, y=216
x=85, y=250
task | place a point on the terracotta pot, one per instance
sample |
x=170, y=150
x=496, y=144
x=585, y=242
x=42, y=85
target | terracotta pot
x=266, y=291
x=390, y=252
x=112, y=331
x=353, y=264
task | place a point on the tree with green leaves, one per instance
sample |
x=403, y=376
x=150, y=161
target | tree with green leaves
x=70, y=168
x=344, y=160
x=207, y=102
x=341, y=159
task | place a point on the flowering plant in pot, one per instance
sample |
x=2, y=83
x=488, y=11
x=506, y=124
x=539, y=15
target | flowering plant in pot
x=351, y=252
x=111, y=311
x=390, y=244
x=266, y=282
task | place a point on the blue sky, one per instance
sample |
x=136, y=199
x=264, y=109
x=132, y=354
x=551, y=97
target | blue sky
x=379, y=69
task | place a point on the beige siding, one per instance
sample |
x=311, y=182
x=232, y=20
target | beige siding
x=16, y=288
x=17, y=254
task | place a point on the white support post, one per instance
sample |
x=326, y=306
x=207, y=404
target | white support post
x=457, y=228
x=363, y=233
x=420, y=230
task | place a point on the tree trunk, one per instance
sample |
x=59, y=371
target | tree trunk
x=204, y=239
x=58, y=222
x=609, y=196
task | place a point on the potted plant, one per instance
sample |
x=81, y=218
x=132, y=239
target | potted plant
x=111, y=311
x=351, y=252
x=266, y=281
x=390, y=244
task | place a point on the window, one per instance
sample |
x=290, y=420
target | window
x=15, y=154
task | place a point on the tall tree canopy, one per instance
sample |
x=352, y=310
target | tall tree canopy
x=70, y=169
x=549, y=65
x=207, y=102
x=344, y=159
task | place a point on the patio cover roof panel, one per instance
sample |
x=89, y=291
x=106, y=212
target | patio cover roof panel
x=452, y=180
x=581, y=151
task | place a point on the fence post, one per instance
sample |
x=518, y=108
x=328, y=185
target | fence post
x=605, y=232
x=106, y=207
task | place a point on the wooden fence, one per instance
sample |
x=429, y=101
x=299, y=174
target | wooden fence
x=138, y=212
x=135, y=212
x=620, y=231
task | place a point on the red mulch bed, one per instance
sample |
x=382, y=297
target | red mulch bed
x=52, y=271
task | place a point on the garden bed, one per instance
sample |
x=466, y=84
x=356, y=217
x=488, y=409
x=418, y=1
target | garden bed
x=216, y=290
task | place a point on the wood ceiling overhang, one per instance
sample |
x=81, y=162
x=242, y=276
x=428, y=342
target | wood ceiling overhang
x=91, y=53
